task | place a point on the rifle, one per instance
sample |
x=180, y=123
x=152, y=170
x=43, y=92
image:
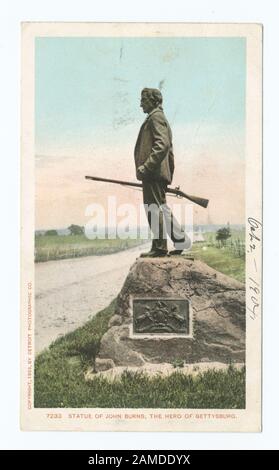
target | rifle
x=176, y=191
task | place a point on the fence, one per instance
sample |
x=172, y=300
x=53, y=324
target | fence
x=234, y=245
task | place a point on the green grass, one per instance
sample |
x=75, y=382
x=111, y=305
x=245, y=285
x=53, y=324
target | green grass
x=60, y=383
x=220, y=259
x=53, y=247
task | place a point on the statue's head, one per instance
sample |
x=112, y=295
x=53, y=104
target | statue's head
x=150, y=99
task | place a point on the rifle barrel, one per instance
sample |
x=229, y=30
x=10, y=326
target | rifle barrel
x=196, y=200
x=107, y=180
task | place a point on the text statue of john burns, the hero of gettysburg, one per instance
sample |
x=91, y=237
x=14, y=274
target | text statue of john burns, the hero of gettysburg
x=154, y=167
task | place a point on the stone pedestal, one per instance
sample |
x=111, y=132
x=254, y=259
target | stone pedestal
x=175, y=309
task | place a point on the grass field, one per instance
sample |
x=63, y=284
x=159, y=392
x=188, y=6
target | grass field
x=220, y=259
x=60, y=383
x=54, y=247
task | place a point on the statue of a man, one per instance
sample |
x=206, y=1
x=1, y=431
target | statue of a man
x=154, y=167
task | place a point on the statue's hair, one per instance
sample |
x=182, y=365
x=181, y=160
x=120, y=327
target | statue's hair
x=154, y=95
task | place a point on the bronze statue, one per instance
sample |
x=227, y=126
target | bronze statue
x=154, y=162
x=154, y=168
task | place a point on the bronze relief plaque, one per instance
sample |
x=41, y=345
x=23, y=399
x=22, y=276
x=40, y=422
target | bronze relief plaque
x=161, y=316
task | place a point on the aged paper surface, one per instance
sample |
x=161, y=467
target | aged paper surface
x=81, y=89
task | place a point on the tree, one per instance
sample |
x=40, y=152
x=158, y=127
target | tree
x=76, y=229
x=51, y=232
x=223, y=234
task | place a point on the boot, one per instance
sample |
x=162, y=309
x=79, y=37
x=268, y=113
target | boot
x=154, y=254
x=175, y=252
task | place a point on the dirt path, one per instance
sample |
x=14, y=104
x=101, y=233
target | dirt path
x=69, y=292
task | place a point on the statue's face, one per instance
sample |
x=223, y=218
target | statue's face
x=146, y=104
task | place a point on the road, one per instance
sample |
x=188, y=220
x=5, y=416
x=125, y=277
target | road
x=69, y=292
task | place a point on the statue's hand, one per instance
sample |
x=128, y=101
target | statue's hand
x=141, y=171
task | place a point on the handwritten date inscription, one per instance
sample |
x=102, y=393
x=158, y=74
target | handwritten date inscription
x=255, y=229
x=255, y=233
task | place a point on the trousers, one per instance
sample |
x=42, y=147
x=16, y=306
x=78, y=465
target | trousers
x=161, y=219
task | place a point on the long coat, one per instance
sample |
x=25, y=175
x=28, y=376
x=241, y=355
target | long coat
x=154, y=148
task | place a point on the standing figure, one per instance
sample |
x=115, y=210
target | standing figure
x=154, y=167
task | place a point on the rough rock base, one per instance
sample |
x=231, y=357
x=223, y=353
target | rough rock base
x=217, y=310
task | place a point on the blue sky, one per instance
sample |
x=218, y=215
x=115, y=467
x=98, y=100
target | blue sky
x=83, y=84
x=88, y=117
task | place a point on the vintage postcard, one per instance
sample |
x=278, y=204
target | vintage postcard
x=141, y=227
